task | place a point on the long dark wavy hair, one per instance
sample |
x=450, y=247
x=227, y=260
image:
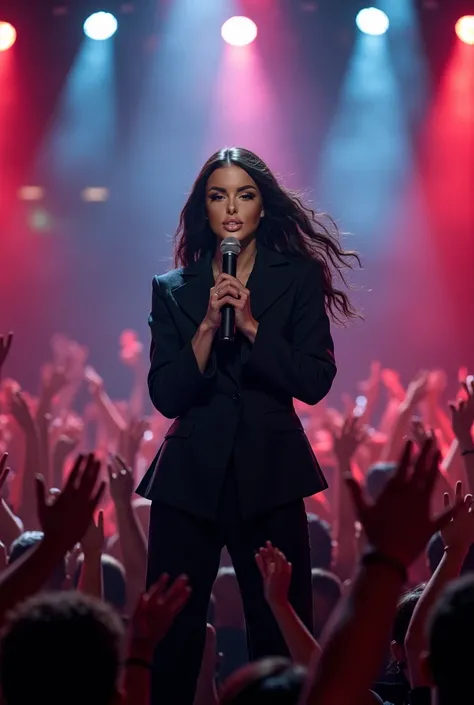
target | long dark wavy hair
x=289, y=227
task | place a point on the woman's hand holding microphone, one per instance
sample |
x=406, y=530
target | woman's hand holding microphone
x=226, y=291
x=230, y=291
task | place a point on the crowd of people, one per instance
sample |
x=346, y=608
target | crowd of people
x=389, y=542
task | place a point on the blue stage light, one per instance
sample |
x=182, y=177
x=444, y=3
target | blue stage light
x=100, y=26
x=373, y=21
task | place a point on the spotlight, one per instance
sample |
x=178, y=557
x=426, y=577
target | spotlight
x=370, y=20
x=465, y=29
x=7, y=36
x=239, y=31
x=100, y=26
x=31, y=193
x=95, y=194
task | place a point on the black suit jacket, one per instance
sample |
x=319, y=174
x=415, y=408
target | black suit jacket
x=246, y=416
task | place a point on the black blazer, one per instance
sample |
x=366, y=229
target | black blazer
x=248, y=418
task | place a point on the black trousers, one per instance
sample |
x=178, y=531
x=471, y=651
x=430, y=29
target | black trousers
x=182, y=543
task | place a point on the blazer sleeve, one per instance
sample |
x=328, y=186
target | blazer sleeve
x=305, y=367
x=174, y=380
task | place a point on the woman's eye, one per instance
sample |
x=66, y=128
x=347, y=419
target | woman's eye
x=219, y=196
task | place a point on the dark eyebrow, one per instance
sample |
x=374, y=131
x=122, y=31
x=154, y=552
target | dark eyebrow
x=223, y=190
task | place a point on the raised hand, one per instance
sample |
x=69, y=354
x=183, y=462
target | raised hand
x=65, y=521
x=349, y=404
x=418, y=431
x=21, y=413
x=458, y=534
x=136, y=429
x=62, y=448
x=417, y=389
x=3, y=557
x=95, y=381
x=93, y=540
x=130, y=348
x=276, y=574
x=462, y=415
x=347, y=440
x=121, y=481
x=398, y=523
x=4, y=470
x=54, y=379
x=158, y=608
x=5, y=345
x=131, y=438
x=391, y=380
x=367, y=386
x=437, y=382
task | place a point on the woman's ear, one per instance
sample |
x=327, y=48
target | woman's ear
x=262, y=214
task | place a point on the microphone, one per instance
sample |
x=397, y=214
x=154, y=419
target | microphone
x=230, y=249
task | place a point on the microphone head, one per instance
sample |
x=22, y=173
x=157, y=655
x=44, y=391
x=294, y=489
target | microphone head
x=230, y=245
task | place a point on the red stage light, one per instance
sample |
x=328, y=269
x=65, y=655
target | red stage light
x=465, y=29
x=7, y=36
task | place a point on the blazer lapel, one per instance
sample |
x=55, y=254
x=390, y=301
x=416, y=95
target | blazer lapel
x=270, y=278
x=193, y=295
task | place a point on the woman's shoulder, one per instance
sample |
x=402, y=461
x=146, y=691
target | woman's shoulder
x=169, y=280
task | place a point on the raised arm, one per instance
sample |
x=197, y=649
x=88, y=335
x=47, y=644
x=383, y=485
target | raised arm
x=64, y=523
x=5, y=345
x=132, y=539
x=415, y=393
x=457, y=538
x=276, y=575
x=346, y=442
x=91, y=578
x=398, y=526
x=153, y=617
x=462, y=415
x=31, y=466
x=110, y=415
x=10, y=525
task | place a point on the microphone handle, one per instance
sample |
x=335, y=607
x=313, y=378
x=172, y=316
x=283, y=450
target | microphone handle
x=227, y=328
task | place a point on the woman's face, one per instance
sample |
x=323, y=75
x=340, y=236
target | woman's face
x=233, y=203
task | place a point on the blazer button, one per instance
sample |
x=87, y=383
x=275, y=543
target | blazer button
x=236, y=397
